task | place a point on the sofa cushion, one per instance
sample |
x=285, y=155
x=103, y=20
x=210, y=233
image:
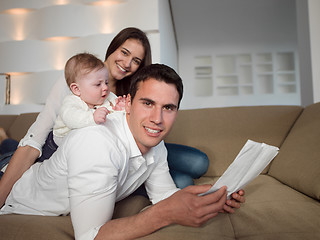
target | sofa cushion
x=220, y=227
x=298, y=163
x=272, y=211
x=14, y=227
x=275, y=211
x=223, y=131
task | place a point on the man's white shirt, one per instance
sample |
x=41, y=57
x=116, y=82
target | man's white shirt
x=94, y=167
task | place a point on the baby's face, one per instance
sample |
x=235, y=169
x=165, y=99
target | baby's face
x=94, y=87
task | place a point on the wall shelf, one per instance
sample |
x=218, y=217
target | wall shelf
x=271, y=74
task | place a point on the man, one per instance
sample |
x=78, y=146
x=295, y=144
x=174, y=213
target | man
x=97, y=166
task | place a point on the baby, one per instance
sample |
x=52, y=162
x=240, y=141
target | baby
x=91, y=101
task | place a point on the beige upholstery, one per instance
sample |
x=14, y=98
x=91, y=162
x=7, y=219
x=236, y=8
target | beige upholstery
x=298, y=163
x=6, y=121
x=20, y=126
x=221, y=132
x=282, y=203
x=15, y=227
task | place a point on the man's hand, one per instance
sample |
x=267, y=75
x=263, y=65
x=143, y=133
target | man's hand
x=185, y=207
x=234, y=202
x=100, y=115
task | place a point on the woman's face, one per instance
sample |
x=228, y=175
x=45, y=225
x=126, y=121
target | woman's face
x=125, y=60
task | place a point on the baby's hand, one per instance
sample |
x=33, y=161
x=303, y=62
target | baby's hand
x=120, y=103
x=100, y=115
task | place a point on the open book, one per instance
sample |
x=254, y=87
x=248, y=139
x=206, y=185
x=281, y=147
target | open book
x=249, y=163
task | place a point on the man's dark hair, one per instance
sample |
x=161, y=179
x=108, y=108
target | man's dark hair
x=159, y=72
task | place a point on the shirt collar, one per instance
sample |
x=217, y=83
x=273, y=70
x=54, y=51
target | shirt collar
x=134, y=150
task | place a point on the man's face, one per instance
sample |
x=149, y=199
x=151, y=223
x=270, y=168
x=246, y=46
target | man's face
x=152, y=113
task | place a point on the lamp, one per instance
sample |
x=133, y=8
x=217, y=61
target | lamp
x=7, y=87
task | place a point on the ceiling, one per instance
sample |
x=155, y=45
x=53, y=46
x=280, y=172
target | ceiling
x=231, y=22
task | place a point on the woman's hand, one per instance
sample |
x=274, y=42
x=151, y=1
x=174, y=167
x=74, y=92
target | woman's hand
x=120, y=103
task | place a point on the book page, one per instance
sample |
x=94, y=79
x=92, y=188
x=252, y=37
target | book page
x=248, y=164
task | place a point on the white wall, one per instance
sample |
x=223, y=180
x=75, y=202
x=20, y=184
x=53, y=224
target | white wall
x=168, y=46
x=314, y=19
x=39, y=36
x=202, y=27
x=213, y=27
x=303, y=33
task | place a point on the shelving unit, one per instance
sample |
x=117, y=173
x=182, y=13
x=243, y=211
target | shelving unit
x=286, y=76
x=203, y=76
x=263, y=74
x=234, y=75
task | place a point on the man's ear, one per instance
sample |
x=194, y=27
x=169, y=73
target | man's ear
x=128, y=103
x=75, y=89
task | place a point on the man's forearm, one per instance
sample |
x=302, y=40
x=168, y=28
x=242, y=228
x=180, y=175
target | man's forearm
x=139, y=225
x=184, y=207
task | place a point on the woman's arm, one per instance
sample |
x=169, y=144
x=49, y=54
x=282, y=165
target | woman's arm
x=39, y=130
x=30, y=146
x=21, y=160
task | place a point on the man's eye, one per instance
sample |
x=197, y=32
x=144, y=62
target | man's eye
x=170, y=108
x=148, y=104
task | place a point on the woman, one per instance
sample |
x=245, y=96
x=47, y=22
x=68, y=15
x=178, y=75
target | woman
x=128, y=52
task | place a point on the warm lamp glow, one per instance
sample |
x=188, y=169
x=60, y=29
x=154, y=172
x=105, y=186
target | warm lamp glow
x=106, y=2
x=60, y=38
x=62, y=2
x=20, y=20
x=19, y=32
x=19, y=35
x=59, y=59
x=106, y=27
x=17, y=73
x=16, y=99
x=17, y=11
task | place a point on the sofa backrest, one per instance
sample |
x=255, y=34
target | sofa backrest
x=222, y=132
x=298, y=162
x=6, y=121
x=20, y=125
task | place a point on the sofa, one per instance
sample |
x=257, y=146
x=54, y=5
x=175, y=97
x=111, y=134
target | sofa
x=281, y=203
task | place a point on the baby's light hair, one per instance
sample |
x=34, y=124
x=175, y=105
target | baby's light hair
x=81, y=64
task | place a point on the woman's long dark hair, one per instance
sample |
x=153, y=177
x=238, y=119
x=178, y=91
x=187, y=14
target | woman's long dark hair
x=122, y=86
